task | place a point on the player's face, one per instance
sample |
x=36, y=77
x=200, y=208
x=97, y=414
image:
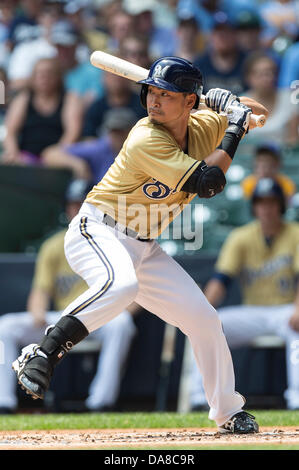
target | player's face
x=267, y=209
x=164, y=106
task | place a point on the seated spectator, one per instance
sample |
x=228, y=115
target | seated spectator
x=289, y=69
x=267, y=163
x=189, y=40
x=281, y=17
x=60, y=39
x=81, y=78
x=161, y=40
x=7, y=12
x=261, y=73
x=263, y=256
x=249, y=28
x=41, y=116
x=25, y=54
x=91, y=159
x=204, y=10
x=120, y=25
x=55, y=282
x=222, y=63
x=118, y=93
x=134, y=48
x=24, y=26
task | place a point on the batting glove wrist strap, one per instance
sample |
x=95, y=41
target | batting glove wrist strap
x=231, y=140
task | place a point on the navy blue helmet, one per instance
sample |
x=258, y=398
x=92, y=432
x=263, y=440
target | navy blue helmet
x=173, y=74
x=268, y=187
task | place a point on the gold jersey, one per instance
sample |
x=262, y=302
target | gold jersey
x=53, y=274
x=142, y=188
x=267, y=272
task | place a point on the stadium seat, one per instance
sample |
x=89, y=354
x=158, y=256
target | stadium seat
x=31, y=203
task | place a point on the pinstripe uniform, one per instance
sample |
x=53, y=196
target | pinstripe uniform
x=116, y=254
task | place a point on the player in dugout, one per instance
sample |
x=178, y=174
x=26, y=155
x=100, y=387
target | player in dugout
x=55, y=283
x=168, y=158
x=264, y=256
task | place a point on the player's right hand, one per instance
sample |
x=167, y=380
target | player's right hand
x=239, y=115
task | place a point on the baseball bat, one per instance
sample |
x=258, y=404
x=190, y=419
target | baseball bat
x=126, y=69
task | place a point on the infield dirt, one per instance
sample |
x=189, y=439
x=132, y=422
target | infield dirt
x=140, y=438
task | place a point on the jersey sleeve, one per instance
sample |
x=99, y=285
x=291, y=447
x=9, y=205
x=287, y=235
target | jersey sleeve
x=229, y=261
x=44, y=274
x=159, y=157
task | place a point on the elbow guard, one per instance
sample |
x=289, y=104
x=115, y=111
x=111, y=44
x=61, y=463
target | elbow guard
x=206, y=181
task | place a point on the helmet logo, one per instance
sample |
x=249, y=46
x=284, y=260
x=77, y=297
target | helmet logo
x=160, y=71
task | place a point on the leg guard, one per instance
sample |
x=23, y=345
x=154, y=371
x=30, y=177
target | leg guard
x=35, y=366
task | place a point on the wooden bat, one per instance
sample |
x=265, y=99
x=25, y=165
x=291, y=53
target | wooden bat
x=134, y=72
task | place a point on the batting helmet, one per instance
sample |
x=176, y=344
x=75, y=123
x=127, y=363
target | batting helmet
x=268, y=187
x=173, y=74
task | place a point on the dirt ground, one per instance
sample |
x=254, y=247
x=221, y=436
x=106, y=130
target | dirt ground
x=139, y=438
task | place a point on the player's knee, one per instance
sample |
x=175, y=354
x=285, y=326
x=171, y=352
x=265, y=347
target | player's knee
x=123, y=324
x=205, y=319
x=128, y=291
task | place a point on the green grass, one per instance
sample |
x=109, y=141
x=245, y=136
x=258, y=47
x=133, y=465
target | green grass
x=133, y=420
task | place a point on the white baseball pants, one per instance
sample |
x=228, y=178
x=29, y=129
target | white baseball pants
x=119, y=270
x=17, y=330
x=243, y=323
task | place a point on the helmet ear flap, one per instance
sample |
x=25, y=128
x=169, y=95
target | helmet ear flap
x=143, y=95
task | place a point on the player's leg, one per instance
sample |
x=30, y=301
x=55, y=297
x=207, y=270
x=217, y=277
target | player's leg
x=168, y=291
x=115, y=338
x=241, y=324
x=97, y=255
x=16, y=330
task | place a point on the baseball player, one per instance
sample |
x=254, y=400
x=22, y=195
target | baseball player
x=264, y=256
x=55, y=282
x=168, y=158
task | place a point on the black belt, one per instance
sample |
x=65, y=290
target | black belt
x=107, y=220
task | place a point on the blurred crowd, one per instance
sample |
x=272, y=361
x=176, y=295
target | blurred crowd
x=54, y=98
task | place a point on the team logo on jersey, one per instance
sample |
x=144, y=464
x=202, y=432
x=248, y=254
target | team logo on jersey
x=156, y=190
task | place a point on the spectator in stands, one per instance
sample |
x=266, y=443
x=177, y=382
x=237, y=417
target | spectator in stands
x=267, y=164
x=24, y=27
x=289, y=69
x=134, y=48
x=189, y=40
x=120, y=25
x=263, y=256
x=261, y=74
x=60, y=39
x=162, y=40
x=55, y=282
x=222, y=63
x=91, y=159
x=26, y=53
x=281, y=17
x=249, y=28
x=41, y=116
x=7, y=11
x=118, y=93
x=81, y=78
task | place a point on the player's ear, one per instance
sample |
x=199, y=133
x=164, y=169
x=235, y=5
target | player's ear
x=191, y=100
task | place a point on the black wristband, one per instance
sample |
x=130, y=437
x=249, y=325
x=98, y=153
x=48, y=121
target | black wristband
x=231, y=140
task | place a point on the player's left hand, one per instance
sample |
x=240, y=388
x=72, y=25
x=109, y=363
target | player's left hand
x=219, y=100
x=294, y=321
